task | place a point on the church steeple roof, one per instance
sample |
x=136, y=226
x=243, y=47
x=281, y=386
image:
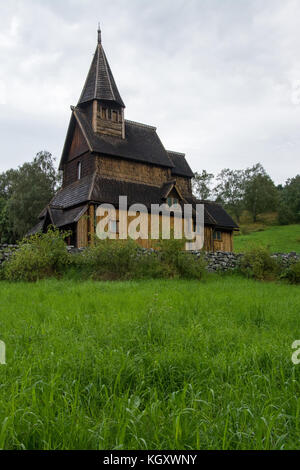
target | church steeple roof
x=100, y=83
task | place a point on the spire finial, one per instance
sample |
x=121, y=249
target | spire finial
x=99, y=34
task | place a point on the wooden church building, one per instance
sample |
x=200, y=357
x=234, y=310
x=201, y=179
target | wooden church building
x=106, y=156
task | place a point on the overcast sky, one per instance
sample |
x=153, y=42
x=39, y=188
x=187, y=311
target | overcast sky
x=220, y=79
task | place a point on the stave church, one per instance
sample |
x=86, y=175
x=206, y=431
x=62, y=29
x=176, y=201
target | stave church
x=106, y=156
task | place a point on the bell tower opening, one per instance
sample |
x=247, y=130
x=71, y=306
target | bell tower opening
x=108, y=119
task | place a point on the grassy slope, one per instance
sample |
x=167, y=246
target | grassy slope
x=283, y=239
x=160, y=364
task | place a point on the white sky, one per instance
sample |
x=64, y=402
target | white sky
x=220, y=79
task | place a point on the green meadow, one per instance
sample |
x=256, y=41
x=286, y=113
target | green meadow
x=279, y=239
x=149, y=365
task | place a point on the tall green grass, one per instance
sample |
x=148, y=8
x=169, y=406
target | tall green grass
x=281, y=239
x=149, y=365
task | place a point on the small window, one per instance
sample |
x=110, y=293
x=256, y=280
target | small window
x=109, y=113
x=79, y=170
x=172, y=201
x=115, y=116
x=103, y=113
x=218, y=235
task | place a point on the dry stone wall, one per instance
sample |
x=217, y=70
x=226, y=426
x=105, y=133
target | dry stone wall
x=218, y=261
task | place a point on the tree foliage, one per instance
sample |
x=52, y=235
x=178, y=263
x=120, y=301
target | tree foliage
x=230, y=191
x=260, y=191
x=289, y=206
x=202, y=183
x=23, y=195
x=238, y=190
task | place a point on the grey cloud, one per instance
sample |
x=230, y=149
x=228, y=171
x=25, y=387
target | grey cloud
x=215, y=76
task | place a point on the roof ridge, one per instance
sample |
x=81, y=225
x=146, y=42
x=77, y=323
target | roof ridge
x=176, y=153
x=140, y=124
x=107, y=71
x=97, y=72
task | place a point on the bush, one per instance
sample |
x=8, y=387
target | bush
x=257, y=263
x=292, y=274
x=112, y=259
x=38, y=257
x=124, y=259
x=45, y=255
x=285, y=215
x=179, y=263
x=149, y=266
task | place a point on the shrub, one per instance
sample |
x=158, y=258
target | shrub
x=149, y=266
x=124, y=259
x=112, y=259
x=292, y=274
x=257, y=263
x=38, y=257
x=179, y=263
x=190, y=267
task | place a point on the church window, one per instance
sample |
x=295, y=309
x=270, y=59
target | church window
x=79, y=170
x=172, y=201
x=218, y=235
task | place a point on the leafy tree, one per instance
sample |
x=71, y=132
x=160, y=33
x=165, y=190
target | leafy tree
x=6, y=184
x=6, y=235
x=261, y=193
x=24, y=193
x=231, y=190
x=202, y=185
x=289, y=203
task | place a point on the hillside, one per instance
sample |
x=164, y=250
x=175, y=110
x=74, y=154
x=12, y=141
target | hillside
x=281, y=239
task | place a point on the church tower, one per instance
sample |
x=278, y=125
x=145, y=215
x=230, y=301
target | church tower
x=101, y=95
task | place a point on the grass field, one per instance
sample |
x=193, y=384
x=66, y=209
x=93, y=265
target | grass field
x=149, y=365
x=279, y=239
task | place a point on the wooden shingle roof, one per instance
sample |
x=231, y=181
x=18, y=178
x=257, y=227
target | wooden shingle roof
x=141, y=142
x=73, y=195
x=67, y=205
x=219, y=216
x=181, y=166
x=100, y=83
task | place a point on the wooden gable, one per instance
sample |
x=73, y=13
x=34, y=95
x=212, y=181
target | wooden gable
x=78, y=144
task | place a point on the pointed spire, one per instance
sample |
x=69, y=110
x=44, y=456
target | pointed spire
x=100, y=83
x=99, y=34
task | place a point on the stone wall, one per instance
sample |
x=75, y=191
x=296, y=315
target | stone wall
x=221, y=261
x=218, y=261
x=5, y=251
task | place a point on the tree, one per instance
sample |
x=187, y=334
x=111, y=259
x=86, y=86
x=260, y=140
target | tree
x=202, y=185
x=261, y=194
x=289, y=202
x=231, y=190
x=24, y=193
x=6, y=183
